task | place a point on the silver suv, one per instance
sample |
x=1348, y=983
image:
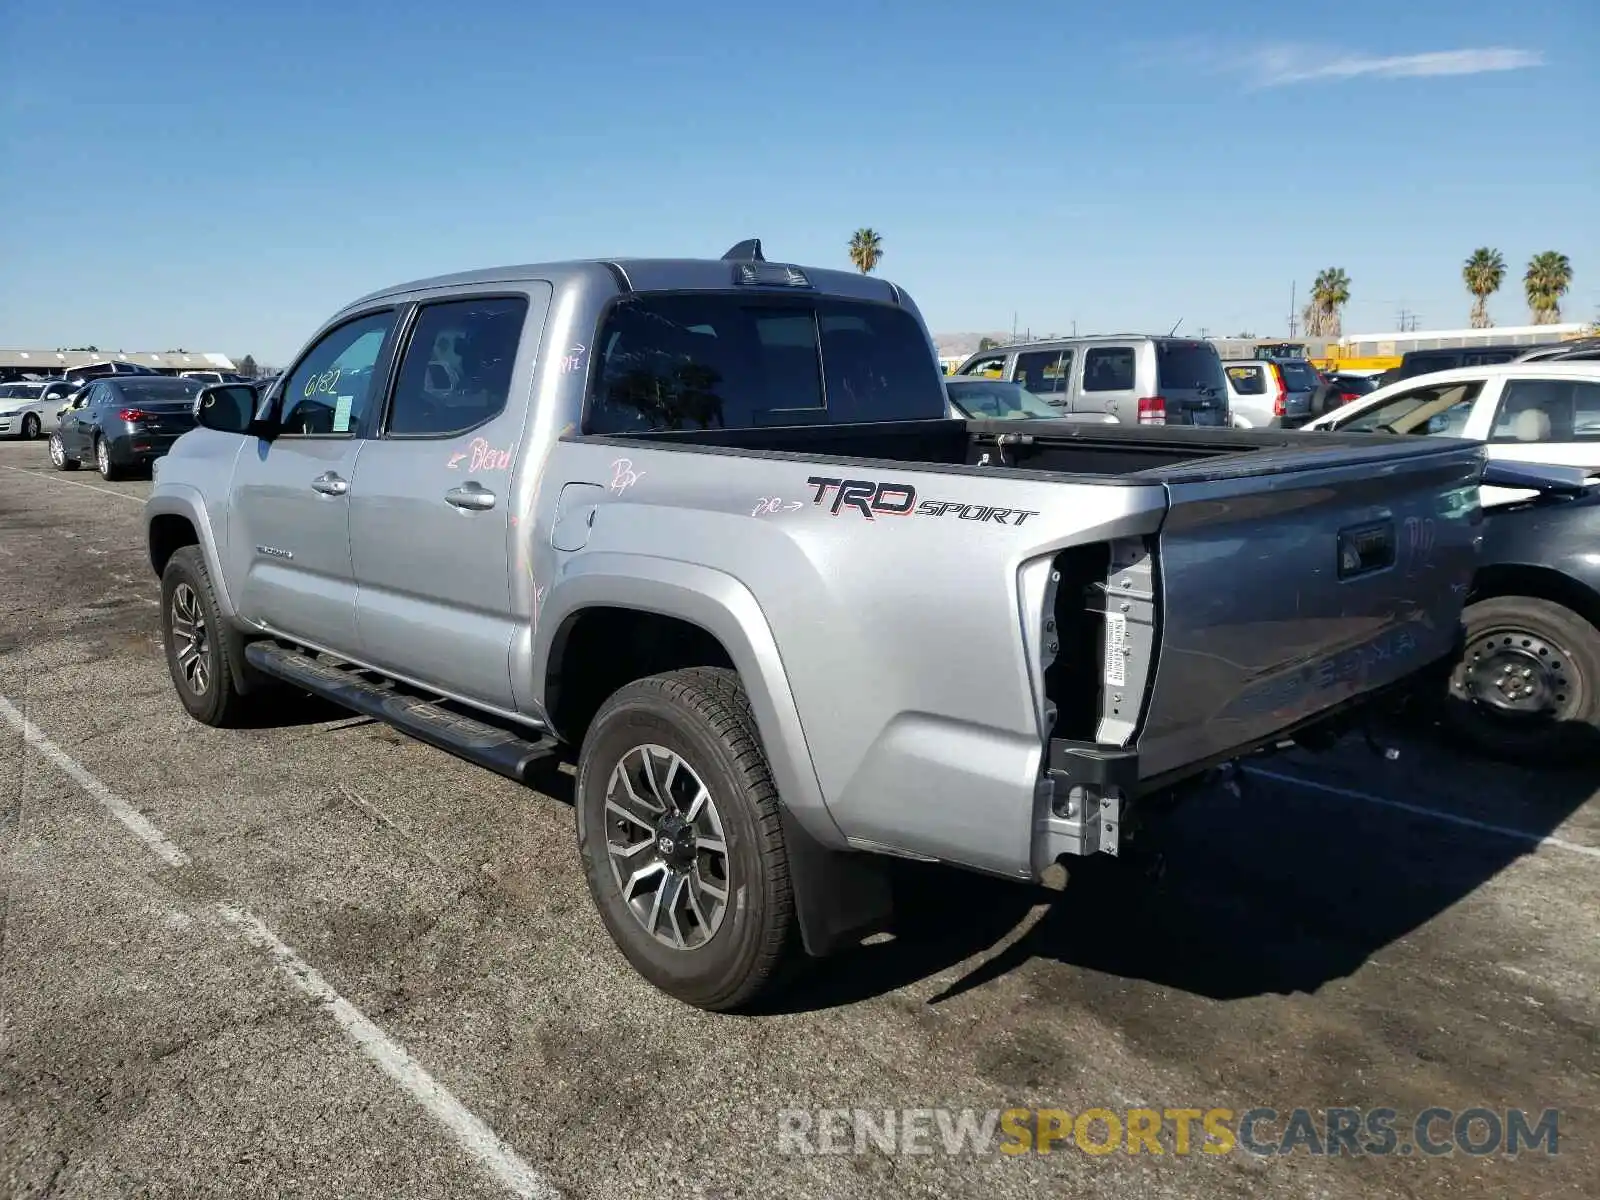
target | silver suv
x=1138, y=379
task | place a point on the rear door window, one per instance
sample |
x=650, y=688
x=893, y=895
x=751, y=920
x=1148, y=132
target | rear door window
x=1248, y=381
x=1548, y=410
x=1108, y=369
x=455, y=373
x=715, y=361
x=1044, y=372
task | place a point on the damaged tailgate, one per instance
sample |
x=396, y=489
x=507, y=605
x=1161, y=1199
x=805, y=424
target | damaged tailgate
x=1288, y=583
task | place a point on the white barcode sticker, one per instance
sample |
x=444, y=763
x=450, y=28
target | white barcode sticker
x=1116, y=645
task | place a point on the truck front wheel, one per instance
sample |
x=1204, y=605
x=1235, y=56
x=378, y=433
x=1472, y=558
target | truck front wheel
x=1527, y=688
x=681, y=838
x=198, y=654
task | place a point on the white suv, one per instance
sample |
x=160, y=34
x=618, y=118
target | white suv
x=1534, y=412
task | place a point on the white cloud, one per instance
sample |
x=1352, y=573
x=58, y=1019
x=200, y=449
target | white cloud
x=1277, y=64
x=1284, y=67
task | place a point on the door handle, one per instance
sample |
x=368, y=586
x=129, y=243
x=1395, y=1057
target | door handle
x=330, y=484
x=472, y=496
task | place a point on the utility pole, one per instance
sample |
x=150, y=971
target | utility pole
x=1294, y=321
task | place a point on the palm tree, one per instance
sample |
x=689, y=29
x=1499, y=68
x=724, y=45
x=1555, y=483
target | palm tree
x=1483, y=272
x=866, y=249
x=1329, y=294
x=1548, y=277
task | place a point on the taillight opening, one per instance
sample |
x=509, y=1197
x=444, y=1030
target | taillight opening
x=1152, y=410
x=1280, y=404
x=134, y=414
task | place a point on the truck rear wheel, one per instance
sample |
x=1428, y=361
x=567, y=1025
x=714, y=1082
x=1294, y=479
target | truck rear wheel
x=1527, y=688
x=680, y=835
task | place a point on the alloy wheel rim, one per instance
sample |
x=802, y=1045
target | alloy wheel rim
x=30, y=426
x=57, y=454
x=667, y=847
x=1516, y=675
x=102, y=456
x=190, y=641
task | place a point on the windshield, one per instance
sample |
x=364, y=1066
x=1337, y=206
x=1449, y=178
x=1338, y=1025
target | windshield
x=151, y=390
x=1439, y=411
x=997, y=399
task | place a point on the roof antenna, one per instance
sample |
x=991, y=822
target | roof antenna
x=746, y=251
x=1174, y=329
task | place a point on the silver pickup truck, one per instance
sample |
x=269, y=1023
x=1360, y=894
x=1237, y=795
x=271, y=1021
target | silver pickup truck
x=708, y=523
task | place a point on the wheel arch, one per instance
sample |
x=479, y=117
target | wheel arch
x=175, y=517
x=1537, y=582
x=649, y=615
x=701, y=612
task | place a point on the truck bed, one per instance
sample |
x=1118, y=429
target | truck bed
x=1100, y=452
x=1125, y=606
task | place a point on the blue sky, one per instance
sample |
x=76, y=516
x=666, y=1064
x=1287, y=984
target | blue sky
x=223, y=177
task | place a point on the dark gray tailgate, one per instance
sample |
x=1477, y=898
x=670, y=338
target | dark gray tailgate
x=1294, y=581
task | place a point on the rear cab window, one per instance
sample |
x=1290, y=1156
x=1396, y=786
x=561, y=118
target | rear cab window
x=715, y=361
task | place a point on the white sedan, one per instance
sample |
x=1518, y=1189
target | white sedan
x=27, y=409
x=1535, y=412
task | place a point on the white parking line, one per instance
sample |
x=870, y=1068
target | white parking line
x=89, y=487
x=1521, y=835
x=115, y=804
x=499, y=1160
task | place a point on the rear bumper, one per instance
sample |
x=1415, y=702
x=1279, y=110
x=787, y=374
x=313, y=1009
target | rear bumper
x=1091, y=793
x=128, y=449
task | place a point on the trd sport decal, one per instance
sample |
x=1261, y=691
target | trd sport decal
x=875, y=499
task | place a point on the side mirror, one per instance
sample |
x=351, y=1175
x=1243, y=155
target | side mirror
x=228, y=408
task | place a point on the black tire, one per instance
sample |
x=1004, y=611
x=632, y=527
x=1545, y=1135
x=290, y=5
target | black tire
x=109, y=470
x=59, y=458
x=30, y=426
x=218, y=702
x=1560, y=651
x=703, y=716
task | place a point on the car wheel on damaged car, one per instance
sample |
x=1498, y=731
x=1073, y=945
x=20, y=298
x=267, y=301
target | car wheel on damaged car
x=1527, y=688
x=679, y=833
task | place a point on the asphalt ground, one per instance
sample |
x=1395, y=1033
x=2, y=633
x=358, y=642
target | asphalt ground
x=319, y=959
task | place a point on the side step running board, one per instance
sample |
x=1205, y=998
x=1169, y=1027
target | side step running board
x=489, y=746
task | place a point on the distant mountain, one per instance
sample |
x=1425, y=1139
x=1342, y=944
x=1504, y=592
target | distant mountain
x=965, y=343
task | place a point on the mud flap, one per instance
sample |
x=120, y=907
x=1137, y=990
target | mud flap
x=840, y=896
